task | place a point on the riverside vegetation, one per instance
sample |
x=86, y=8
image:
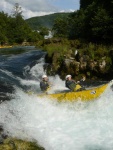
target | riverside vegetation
x=88, y=30
x=92, y=60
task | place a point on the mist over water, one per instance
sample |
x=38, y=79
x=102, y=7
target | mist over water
x=56, y=126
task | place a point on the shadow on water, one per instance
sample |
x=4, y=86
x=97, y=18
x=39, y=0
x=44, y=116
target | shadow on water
x=6, y=91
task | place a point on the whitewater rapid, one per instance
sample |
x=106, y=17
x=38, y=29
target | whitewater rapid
x=64, y=126
x=53, y=125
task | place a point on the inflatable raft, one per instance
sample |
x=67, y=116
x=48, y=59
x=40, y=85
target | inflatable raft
x=84, y=95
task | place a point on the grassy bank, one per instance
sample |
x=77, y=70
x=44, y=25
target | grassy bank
x=67, y=48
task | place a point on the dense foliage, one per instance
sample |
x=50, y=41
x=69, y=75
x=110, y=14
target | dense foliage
x=92, y=23
x=14, y=29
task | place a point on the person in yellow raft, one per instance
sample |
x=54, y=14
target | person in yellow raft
x=44, y=84
x=72, y=84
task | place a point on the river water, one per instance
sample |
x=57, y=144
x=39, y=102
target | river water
x=55, y=126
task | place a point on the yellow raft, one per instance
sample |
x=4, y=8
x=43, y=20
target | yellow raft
x=85, y=95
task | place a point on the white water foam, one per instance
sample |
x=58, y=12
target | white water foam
x=36, y=72
x=60, y=126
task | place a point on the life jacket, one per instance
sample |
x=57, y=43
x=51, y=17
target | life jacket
x=44, y=85
x=72, y=85
x=78, y=87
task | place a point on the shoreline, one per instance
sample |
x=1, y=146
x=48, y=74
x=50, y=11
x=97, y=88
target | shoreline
x=6, y=46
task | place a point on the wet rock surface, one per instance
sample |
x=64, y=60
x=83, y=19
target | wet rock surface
x=78, y=65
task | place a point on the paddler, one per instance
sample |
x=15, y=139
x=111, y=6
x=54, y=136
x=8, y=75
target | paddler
x=72, y=84
x=44, y=84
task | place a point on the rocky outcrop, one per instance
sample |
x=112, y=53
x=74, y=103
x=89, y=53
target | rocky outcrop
x=77, y=65
x=72, y=66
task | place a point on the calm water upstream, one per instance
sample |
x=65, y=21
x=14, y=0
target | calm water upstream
x=55, y=126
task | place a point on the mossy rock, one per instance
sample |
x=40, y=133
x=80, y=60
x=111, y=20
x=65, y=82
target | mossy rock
x=18, y=144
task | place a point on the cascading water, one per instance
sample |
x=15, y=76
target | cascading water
x=55, y=126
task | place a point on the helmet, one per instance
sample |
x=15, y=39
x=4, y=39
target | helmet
x=68, y=76
x=44, y=76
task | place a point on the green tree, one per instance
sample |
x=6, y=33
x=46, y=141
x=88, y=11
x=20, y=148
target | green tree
x=14, y=29
x=76, y=25
x=60, y=27
x=102, y=26
x=94, y=23
x=17, y=10
x=3, y=28
x=43, y=31
x=85, y=3
x=34, y=36
x=19, y=30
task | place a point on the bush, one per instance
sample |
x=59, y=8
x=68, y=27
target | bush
x=54, y=47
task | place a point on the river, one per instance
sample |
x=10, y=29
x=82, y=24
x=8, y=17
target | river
x=55, y=126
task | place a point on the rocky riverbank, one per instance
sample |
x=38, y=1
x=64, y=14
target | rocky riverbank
x=79, y=63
